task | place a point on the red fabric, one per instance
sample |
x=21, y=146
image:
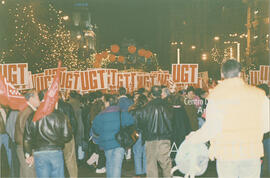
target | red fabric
x=10, y=96
x=50, y=98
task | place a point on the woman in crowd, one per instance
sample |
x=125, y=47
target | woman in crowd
x=105, y=126
x=139, y=147
x=98, y=156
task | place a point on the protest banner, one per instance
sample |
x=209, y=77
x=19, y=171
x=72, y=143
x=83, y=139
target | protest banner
x=52, y=71
x=94, y=79
x=185, y=73
x=254, y=77
x=112, y=78
x=265, y=74
x=16, y=74
x=104, y=79
x=70, y=80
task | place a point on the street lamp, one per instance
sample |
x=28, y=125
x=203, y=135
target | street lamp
x=204, y=56
x=65, y=17
x=216, y=38
x=3, y=2
x=193, y=47
x=177, y=44
x=79, y=37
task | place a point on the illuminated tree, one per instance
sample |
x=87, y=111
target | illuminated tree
x=40, y=37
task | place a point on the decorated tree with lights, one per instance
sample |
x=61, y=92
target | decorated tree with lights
x=40, y=37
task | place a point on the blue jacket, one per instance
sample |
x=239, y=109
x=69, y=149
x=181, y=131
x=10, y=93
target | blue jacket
x=124, y=103
x=107, y=124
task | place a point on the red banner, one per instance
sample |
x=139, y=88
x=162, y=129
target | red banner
x=185, y=73
x=16, y=74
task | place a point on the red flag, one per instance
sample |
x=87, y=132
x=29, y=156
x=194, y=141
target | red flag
x=50, y=98
x=3, y=91
x=10, y=96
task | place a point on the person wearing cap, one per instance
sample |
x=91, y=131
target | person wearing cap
x=237, y=116
x=156, y=127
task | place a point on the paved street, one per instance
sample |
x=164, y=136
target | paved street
x=128, y=170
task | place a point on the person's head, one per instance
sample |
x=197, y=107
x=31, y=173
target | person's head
x=190, y=92
x=165, y=92
x=136, y=95
x=141, y=101
x=204, y=94
x=141, y=90
x=182, y=92
x=156, y=91
x=110, y=100
x=230, y=69
x=32, y=97
x=265, y=88
x=75, y=95
x=99, y=94
x=122, y=91
x=129, y=96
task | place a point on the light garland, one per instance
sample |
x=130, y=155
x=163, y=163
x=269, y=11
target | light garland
x=43, y=44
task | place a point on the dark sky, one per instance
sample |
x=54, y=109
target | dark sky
x=153, y=24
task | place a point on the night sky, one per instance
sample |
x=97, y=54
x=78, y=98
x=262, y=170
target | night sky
x=154, y=24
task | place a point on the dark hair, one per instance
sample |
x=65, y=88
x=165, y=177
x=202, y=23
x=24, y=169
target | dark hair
x=141, y=90
x=189, y=89
x=139, y=103
x=29, y=94
x=182, y=92
x=142, y=100
x=99, y=94
x=41, y=94
x=129, y=96
x=198, y=91
x=265, y=88
x=122, y=91
x=231, y=68
x=74, y=94
x=156, y=91
x=166, y=91
x=112, y=99
x=163, y=86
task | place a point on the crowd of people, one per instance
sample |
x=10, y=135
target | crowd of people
x=82, y=128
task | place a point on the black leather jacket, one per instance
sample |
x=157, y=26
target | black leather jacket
x=67, y=109
x=137, y=115
x=156, y=121
x=49, y=133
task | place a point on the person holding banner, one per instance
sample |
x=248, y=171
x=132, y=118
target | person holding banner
x=237, y=116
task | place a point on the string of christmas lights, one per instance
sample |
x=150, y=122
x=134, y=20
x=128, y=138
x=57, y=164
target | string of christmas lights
x=42, y=44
